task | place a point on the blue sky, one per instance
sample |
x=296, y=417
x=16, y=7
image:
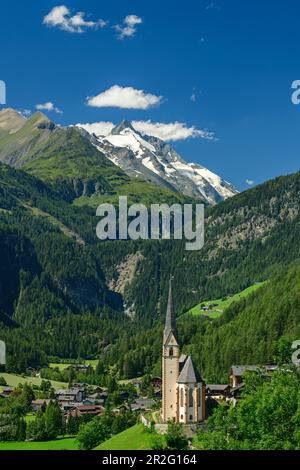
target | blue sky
x=238, y=57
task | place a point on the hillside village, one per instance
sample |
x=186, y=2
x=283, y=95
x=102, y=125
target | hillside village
x=154, y=401
x=82, y=402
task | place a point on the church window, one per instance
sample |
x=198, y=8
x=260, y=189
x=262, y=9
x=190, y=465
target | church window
x=181, y=397
x=199, y=396
x=181, y=416
x=171, y=352
x=191, y=417
x=191, y=398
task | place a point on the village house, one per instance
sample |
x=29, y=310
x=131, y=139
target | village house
x=237, y=372
x=40, y=405
x=218, y=392
x=73, y=394
x=82, y=410
x=142, y=404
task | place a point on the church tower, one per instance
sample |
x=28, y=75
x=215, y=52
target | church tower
x=170, y=365
x=183, y=390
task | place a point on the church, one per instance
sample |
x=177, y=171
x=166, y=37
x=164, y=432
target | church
x=183, y=390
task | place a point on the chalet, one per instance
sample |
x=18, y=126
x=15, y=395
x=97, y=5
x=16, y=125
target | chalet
x=218, y=392
x=39, y=405
x=73, y=394
x=143, y=404
x=82, y=410
x=237, y=372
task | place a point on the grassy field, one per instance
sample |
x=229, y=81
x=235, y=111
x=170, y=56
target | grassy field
x=68, y=443
x=63, y=365
x=135, y=438
x=217, y=311
x=14, y=380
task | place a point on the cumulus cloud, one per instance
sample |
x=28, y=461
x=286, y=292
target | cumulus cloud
x=102, y=128
x=169, y=132
x=172, y=131
x=129, y=26
x=124, y=97
x=61, y=17
x=250, y=182
x=49, y=106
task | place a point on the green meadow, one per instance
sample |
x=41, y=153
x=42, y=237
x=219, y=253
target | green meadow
x=222, y=304
x=13, y=380
x=135, y=438
x=67, y=443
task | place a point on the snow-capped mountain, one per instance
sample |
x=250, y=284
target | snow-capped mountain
x=154, y=160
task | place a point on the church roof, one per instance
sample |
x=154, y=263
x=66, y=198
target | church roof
x=188, y=374
x=170, y=324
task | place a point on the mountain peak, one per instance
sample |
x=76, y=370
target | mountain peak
x=10, y=120
x=152, y=159
x=122, y=126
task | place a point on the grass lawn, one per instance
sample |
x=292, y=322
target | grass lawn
x=67, y=443
x=217, y=311
x=14, y=380
x=135, y=438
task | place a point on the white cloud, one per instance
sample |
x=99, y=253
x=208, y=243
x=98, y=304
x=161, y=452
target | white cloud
x=171, y=131
x=49, y=106
x=124, y=97
x=250, y=182
x=129, y=26
x=62, y=18
x=102, y=128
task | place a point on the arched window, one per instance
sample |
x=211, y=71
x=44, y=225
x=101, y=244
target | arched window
x=199, y=396
x=181, y=397
x=171, y=352
x=191, y=398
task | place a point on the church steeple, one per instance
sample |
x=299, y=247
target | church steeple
x=170, y=324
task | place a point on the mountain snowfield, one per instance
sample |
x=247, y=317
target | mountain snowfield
x=151, y=158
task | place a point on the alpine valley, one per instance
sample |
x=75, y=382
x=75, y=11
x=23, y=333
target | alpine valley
x=65, y=294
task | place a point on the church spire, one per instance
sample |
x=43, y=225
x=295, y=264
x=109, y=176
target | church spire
x=170, y=324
